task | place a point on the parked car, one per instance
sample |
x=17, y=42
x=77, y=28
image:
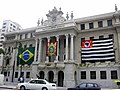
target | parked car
x=37, y=84
x=86, y=86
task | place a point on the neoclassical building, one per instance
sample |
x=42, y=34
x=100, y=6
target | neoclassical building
x=66, y=51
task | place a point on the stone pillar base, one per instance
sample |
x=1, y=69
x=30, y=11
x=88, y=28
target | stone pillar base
x=34, y=70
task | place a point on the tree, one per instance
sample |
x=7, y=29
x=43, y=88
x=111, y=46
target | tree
x=2, y=51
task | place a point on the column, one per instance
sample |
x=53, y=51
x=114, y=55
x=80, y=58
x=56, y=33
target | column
x=39, y=51
x=47, y=57
x=57, y=48
x=66, y=46
x=36, y=42
x=13, y=65
x=71, y=48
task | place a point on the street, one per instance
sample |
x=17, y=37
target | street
x=13, y=87
x=58, y=88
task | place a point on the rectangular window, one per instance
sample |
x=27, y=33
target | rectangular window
x=14, y=26
x=25, y=36
x=25, y=46
x=109, y=22
x=31, y=35
x=101, y=37
x=91, y=38
x=83, y=74
x=3, y=30
x=4, y=23
x=92, y=74
x=30, y=45
x=114, y=74
x=82, y=26
x=103, y=75
x=5, y=73
x=3, y=34
x=100, y=24
x=4, y=27
x=20, y=36
x=82, y=39
x=16, y=74
x=22, y=73
x=91, y=25
x=2, y=37
x=27, y=74
x=111, y=36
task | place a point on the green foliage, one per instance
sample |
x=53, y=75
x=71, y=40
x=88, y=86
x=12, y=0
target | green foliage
x=2, y=51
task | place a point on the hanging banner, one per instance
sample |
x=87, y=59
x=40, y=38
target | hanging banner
x=52, y=48
x=26, y=55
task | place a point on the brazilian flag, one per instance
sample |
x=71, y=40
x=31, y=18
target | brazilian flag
x=26, y=55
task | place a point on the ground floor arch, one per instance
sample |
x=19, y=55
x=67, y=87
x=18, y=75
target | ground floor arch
x=50, y=76
x=42, y=74
x=60, y=78
x=75, y=77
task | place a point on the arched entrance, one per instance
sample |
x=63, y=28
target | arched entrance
x=60, y=78
x=75, y=77
x=41, y=74
x=50, y=76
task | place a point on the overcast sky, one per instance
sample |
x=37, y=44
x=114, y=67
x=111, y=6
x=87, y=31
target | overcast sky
x=27, y=12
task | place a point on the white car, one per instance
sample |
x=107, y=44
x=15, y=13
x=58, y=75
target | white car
x=37, y=84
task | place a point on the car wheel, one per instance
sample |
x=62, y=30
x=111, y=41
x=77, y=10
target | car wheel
x=44, y=88
x=22, y=88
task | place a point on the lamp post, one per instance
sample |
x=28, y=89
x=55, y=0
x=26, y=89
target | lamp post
x=20, y=62
x=16, y=47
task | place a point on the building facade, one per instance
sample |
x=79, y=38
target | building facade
x=7, y=26
x=67, y=52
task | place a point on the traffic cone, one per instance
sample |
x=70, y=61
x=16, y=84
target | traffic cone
x=16, y=88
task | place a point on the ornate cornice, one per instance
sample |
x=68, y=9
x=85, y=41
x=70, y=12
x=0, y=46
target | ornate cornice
x=54, y=17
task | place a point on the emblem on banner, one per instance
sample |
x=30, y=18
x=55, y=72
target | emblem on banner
x=52, y=49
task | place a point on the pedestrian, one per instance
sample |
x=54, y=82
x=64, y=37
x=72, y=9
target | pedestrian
x=21, y=79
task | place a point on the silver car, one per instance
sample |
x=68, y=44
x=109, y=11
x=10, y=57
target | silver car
x=37, y=84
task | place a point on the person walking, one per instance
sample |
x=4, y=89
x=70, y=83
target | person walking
x=21, y=79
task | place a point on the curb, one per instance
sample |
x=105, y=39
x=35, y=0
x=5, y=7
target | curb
x=8, y=87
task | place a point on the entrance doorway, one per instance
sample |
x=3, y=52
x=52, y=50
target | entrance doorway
x=75, y=77
x=60, y=78
x=41, y=74
x=50, y=76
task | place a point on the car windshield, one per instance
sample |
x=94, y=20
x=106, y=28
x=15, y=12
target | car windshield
x=38, y=81
x=32, y=81
x=82, y=85
x=92, y=85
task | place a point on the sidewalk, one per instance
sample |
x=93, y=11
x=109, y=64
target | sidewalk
x=7, y=87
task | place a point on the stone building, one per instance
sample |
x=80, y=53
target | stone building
x=67, y=51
